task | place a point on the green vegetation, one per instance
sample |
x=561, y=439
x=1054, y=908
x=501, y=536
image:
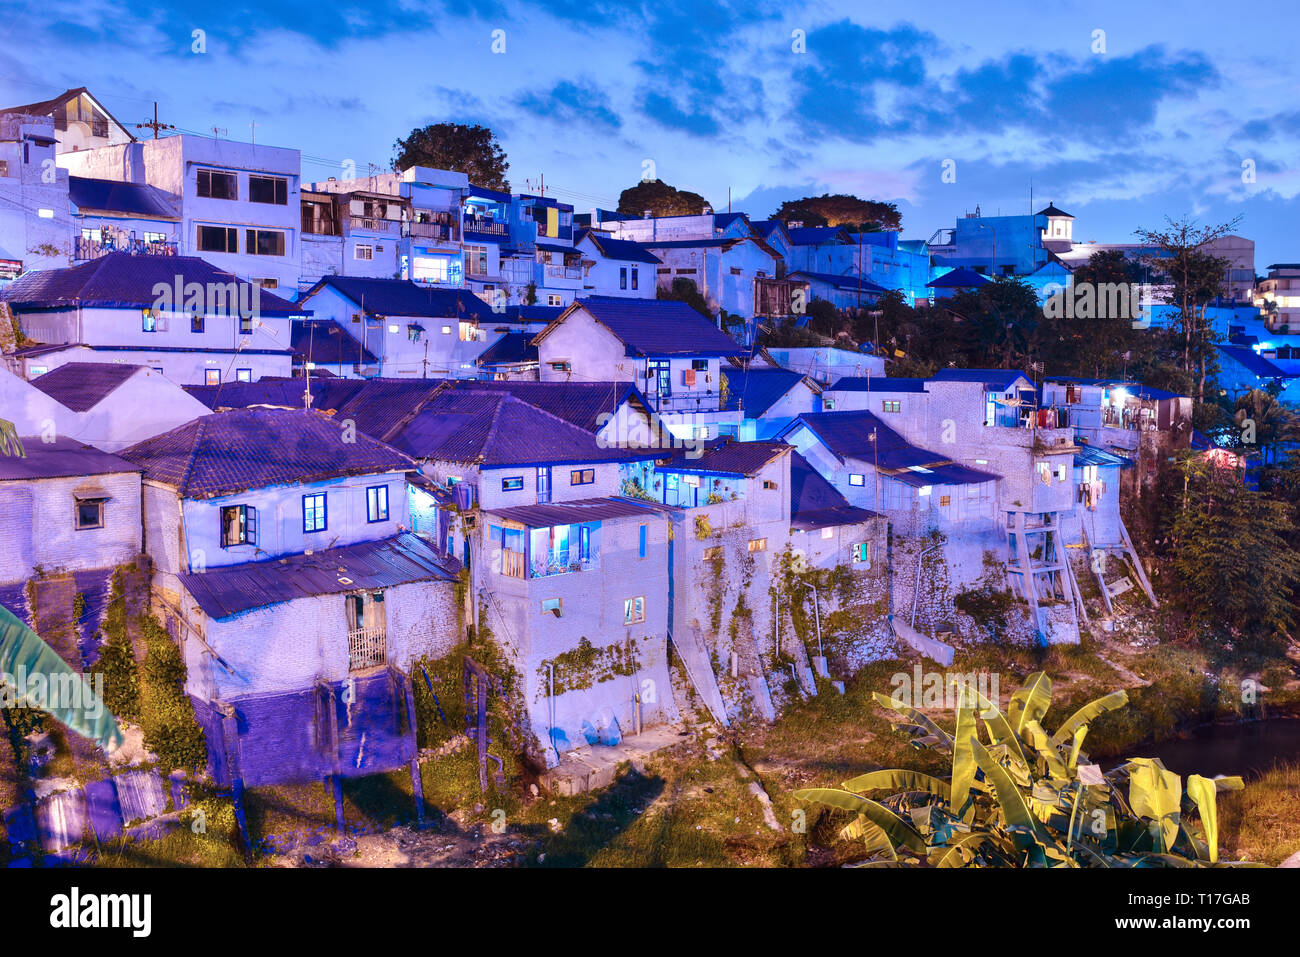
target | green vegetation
x=166, y=712
x=585, y=666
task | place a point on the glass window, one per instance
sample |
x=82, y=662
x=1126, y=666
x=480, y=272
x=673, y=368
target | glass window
x=238, y=525
x=862, y=552
x=758, y=544
x=148, y=321
x=554, y=605
x=218, y=239
x=582, y=476
x=212, y=377
x=643, y=541
x=214, y=184
x=90, y=513
x=196, y=322
x=857, y=480
x=890, y=405
x=377, y=503
x=634, y=610
x=362, y=251
x=634, y=277
x=243, y=375
x=622, y=278
x=313, y=512
x=514, y=483
x=268, y=189
x=264, y=242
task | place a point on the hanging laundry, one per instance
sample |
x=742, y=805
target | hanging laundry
x=552, y=222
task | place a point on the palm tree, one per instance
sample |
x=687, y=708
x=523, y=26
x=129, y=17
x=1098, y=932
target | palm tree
x=1272, y=423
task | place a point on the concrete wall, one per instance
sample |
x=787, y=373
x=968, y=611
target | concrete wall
x=35, y=219
x=145, y=405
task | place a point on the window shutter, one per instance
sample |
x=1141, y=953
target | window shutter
x=250, y=525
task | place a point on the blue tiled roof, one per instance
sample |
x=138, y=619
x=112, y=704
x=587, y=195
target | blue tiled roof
x=840, y=281
x=401, y=297
x=122, y=280
x=513, y=347
x=624, y=250
x=61, y=458
x=657, y=327
x=231, y=590
x=817, y=235
x=1255, y=363
x=727, y=458
x=960, y=278
x=877, y=384
x=848, y=435
x=254, y=448
x=136, y=199
x=766, y=227
x=757, y=390
x=325, y=342
x=815, y=503
x=995, y=379
x=83, y=385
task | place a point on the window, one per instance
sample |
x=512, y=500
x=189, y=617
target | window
x=212, y=377
x=148, y=321
x=643, y=540
x=414, y=331
x=622, y=278
x=699, y=365
x=476, y=260
x=268, y=189
x=634, y=610
x=217, y=185
x=862, y=552
x=562, y=366
x=553, y=300
x=582, y=476
x=514, y=483
x=945, y=501
x=313, y=512
x=246, y=325
x=634, y=277
x=857, y=480
x=768, y=484
x=554, y=605
x=1060, y=473
x=90, y=512
x=758, y=544
x=828, y=533
x=701, y=431
x=891, y=405
x=828, y=404
x=243, y=375
x=714, y=552
x=446, y=330
x=218, y=239
x=263, y=242
x=238, y=525
x=363, y=251
x=196, y=322
x=377, y=503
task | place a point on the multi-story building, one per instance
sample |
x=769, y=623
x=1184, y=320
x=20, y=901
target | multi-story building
x=35, y=223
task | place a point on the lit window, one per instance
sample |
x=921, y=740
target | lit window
x=90, y=513
x=828, y=533
x=701, y=431
x=377, y=503
x=45, y=213
x=513, y=484
x=562, y=366
x=891, y=405
x=945, y=501
x=238, y=525
x=634, y=610
x=582, y=476
x=243, y=375
x=212, y=377
x=862, y=552
x=855, y=479
x=446, y=330
x=758, y=544
x=313, y=512
x=553, y=605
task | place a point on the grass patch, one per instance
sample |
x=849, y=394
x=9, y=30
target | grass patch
x=1262, y=823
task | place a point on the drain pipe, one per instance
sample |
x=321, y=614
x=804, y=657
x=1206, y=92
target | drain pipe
x=916, y=586
x=551, y=670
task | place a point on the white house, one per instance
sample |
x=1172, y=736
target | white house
x=619, y=267
x=35, y=224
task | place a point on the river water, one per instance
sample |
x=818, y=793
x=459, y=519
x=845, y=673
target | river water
x=1247, y=748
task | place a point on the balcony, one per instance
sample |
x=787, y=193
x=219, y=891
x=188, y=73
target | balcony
x=384, y=227
x=486, y=226
x=438, y=232
x=545, y=552
x=700, y=400
x=88, y=249
x=367, y=648
x=563, y=272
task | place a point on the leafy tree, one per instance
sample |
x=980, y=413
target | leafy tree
x=685, y=290
x=840, y=209
x=1262, y=422
x=660, y=198
x=1023, y=799
x=1234, y=569
x=472, y=150
x=824, y=319
x=998, y=322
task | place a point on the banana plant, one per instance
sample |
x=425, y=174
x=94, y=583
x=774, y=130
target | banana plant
x=1019, y=796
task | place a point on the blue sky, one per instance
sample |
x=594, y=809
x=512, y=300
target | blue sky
x=719, y=95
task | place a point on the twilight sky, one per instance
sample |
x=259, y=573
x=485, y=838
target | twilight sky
x=717, y=95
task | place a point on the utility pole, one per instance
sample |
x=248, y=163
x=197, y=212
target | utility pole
x=155, y=125
x=252, y=127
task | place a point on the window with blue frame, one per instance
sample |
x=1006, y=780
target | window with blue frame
x=313, y=512
x=377, y=503
x=644, y=538
x=622, y=278
x=514, y=483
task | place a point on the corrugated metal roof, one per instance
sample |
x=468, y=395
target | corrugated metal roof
x=365, y=566
x=1091, y=455
x=846, y=282
x=108, y=195
x=1254, y=363
x=757, y=390
x=401, y=297
x=624, y=250
x=576, y=512
x=849, y=435
x=62, y=458
x=951, y=474
x=123, y=280
x=878, y=383
x=513, y=347
x=83, y=385
x=255, y=448
x=728, y=458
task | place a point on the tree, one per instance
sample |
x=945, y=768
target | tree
x=472, y=150
x=660, y=198
x=685, y=290
x=1234, y=569
x=999, y=322
x=1024, y=799
x=840, y=209
x=1195, y=278
x=1263, y=423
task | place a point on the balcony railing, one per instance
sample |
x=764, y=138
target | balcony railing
x=485, y=226
x=441, y=232
x=563, y=272
x=366, y=648
x=369, y=224
x=88, y=249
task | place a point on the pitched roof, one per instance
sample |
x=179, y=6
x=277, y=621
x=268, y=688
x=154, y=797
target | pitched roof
x=879, y=383
x=757, y=390
x=944, y=474
x=849, y=435
x=579, y=403
x=62, y=458
x=994, y=379
x=109, y=195
x=817, y=235
x=230, y=590
x=1051, y=210
x=493, y=429
x=959, y=278
x=840, y=281
x=511, y=348
x=815, y=503
x=47, y=107
x=624, y=250
x=255, y=448
x=766, y=227
x=401, y=297
x=727, y=458
x=1255, y=363
x=578, y=511
x=654, y=327
x=83, y=385
x=123, y=280
x=325, y=342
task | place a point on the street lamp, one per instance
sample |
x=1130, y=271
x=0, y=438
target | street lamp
x=993, y=259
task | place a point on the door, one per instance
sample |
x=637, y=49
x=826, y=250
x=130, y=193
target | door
x=659, y=380
x=544, y=484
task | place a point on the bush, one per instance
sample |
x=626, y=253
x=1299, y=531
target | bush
x=166, y=712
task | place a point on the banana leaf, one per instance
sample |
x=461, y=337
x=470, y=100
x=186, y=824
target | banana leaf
x=1039, y=741
x=22, y=651
x=1156, y=794
x=999, y=729
x=898, y=830
x=872, y=836
x=955, y=854
x=1087, y=713
x=963, y=760
x=10, y=445
x=1030, y=701
x=899, y=780
x=1203, y=791
x=916, y=718
x=1014, y=809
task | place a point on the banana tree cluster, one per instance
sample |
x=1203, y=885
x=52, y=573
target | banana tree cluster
x=1019, y=796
